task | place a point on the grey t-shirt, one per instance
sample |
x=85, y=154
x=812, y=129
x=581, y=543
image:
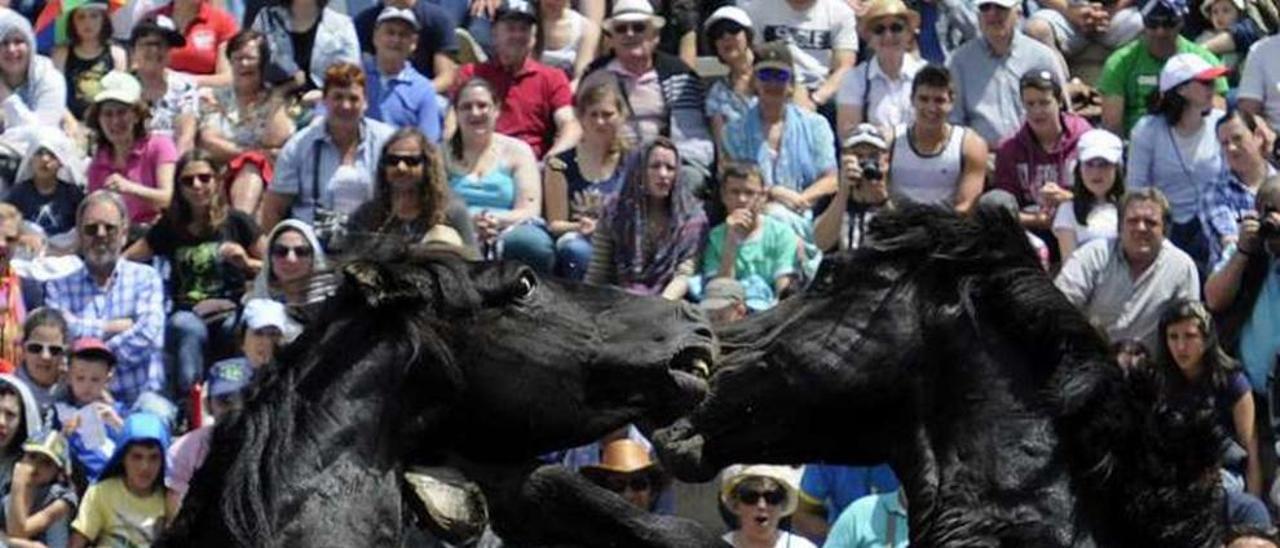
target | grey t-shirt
x=988, y=98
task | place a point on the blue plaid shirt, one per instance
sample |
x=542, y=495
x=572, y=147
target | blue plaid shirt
x=1220, y=209
x=136, y=292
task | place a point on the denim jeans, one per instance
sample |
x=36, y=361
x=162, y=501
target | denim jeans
x=531, y=244
x=573, y=254
x=188, y=339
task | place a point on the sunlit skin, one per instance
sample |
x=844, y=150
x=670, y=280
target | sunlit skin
x=512, y=41
x=102, y=232
x=291, y=267
x=601, y=120
x=10, y=418
x=1043, y=111
x=891, y=41
x=1223, y=14
x=998, y=23
x=15, y=56
x=345, y=105
x=634, y=49
x=732, y=47
x=1199, y=94
x=625, y=485
x=88, y=24
x=1185, y=340
x=150, y=54
x=932, y=105
x=1162, y=42
x=1099, y=176
x=45, y=165
x=1241, y=147
x=44, y=367
x=198, y=184
x=660, y=173
x=757, y=523
x=477, y=113
x=118, y=121
x=246, y=66
x=143, y=463
x=401, y=175
x=1141, y=232
x=88, y=379
x=260, y=345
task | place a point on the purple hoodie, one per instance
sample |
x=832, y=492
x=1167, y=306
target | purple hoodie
x=1022, y=166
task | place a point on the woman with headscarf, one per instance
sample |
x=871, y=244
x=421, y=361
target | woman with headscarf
x=294, y=254
x=19, y=420
x=32, y=90
x=51, y=181
x=652, y=232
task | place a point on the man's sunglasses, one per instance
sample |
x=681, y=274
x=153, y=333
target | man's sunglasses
x=411, y=161
x=634, y=27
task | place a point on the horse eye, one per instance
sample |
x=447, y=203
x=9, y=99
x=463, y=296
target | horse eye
x=527, y=284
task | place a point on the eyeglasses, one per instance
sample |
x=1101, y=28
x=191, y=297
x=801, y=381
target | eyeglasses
x=410, y=161
x=100, y=229
x=1162, y=22
x=619, y=484
x=773, y=75
x=634, y=27
x=895, y=28
x=191, y=180
x=772, y=497
x=300, y=251
x=36, y=349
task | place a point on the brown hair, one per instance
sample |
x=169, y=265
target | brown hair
x=100, y=138
x=596, y=93
x=455, y=142
x=433, y=190
x=342, y=75
x=181, y=214
x=246, y=38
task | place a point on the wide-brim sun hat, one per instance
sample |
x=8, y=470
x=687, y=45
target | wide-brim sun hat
x=628, y=11
x=883, y=9
x=785, y=476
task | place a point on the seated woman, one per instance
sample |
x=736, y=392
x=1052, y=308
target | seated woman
x=760, y=496
x=755, y=249
x=793, y=147
x=497, y=177
x=307, y=37
x=170, y=94
x=247, y=123
x=651, y=233
x=88, y=55
x=411, y=196
x=567, y=40
x=212, y=251
x=128, y=505
x=578, y=181
x=1092, y=212
x=130, y=160
x=730, y=31
x=34, y=92
x=878, y=90
x=293, y=255
x=50, y=186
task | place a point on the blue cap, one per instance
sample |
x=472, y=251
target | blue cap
x=1174, y=7
x=229, y=377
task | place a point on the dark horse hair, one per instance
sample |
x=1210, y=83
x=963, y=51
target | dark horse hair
x=1144, y=468
x=398, y=311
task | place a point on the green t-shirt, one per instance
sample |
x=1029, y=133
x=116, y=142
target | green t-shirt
x=762, y=259
x=1132, y=73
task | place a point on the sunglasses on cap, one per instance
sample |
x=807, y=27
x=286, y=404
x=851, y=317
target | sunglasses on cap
x=299, y=251
x=772, y=497
x=619, y=484
x=633, y=27
x=1162, y=22
x=773, y=75
x=191, y=180
x=412, y=160
x=896, y=28
x=36, y=349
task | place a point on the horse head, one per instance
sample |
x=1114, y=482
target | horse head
x=941, y=348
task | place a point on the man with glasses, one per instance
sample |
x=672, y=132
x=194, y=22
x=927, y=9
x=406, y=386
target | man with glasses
x=116, y=300
x=664, y=96
x=823, y=38
x=1132, y=72
x=862, y=192
x=987, y=72
x=537, y=101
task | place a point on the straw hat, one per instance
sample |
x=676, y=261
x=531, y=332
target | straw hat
x=785, y=476
x=880, y=9
x=621, y=456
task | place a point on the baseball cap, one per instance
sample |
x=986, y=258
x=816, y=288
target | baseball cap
x=776, y=54
x=162, y=25
x=1174, y=7
x=1099, y=143
x=517, y=10
x=260, y=313
x=391, y=13
x=51, y=444
x=1007, y=4
x=1185, y=67
x=1207, y=5
x=119, y=86
x=93, y=348
x=867, y=134
x=722, y=292
x=229, y=377
x=728, y=13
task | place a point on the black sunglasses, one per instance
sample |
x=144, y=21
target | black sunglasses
x=299, y=251
x=413, y=160
x=634, y=27
x=772, y=497
x=619, y=484
x=191, y=180
x=36, y=349
x=1162, y=22
x=100, y=229
x=895, y=28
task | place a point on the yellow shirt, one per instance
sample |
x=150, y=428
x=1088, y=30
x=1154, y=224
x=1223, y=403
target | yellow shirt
x=112, y=516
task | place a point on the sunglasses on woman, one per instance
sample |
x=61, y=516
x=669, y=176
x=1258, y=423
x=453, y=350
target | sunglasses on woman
x=773, y=75
x=191, y=180
x=411, y=161
x=772, y=497
x=282, y=251
x=36, y=349
x=619, y=484
x=895, y=28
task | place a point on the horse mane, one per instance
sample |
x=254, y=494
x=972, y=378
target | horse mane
x=1144, y=469
x=388, y=300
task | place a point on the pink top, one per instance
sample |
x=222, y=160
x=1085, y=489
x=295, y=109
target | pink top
x=140, y=167
x=185, y=456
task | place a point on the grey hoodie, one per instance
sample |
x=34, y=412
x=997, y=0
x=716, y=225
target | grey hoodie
x=42, y=99
x=31, y=420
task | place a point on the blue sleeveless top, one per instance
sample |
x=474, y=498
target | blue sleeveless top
x=577, y=183
x=493, y=191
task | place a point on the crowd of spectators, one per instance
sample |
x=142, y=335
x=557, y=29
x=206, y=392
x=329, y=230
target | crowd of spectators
x=173, y=174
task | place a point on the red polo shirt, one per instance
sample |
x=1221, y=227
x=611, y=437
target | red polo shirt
x=211, y=28
x=530, y=98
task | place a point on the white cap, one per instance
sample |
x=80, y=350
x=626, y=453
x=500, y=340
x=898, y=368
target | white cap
x=1007, y=4
x=119, y=86
x=865, y=134
x=401, y=14
x=730, y=13
x=1099, y=143
x=260, y=313
x=633, y=10
x=1185, y=67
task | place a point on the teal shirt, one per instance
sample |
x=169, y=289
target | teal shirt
x=865, y=524
x=762, y=259
x=1260, y=336
x=495, y=191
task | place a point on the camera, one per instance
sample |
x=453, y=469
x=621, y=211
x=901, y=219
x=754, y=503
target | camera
x=870, y=169
x=1268, y=229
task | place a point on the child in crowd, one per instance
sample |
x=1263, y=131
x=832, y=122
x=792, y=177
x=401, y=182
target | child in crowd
x=38, y=509
x=1223, y=15
x=262, y=331
x=44, y=354
x=85, y=410
x=227, y=381
x=127, y=506
x=88, y=54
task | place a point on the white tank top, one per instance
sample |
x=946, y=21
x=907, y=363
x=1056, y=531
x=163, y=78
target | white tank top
x=564, y=57
x=925, y=179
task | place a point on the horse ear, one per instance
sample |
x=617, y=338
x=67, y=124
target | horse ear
x=381, y=285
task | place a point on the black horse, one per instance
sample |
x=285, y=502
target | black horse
x=941, y=348
x=423, y=356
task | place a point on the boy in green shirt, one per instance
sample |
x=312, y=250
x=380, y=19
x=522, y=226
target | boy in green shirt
x=757, y=250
